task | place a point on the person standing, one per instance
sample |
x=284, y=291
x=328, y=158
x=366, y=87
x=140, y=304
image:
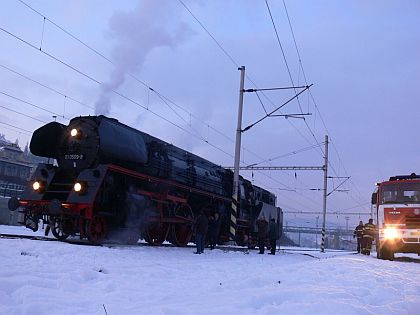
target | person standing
x=358, y=232
x=262, y=226
x=212, y=232
x=368, y=235
x=273, y=235
x=201, y=227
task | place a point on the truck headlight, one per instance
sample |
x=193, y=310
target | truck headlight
x=391, y=233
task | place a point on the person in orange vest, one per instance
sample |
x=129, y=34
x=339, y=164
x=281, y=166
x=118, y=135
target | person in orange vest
x=368, y=235
x=358, y=232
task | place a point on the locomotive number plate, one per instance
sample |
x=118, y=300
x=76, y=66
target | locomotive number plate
x=73, y=157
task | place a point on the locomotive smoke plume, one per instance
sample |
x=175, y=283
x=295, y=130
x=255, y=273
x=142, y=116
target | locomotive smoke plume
x=152, y=24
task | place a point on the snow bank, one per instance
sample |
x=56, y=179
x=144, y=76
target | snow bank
x=40, y=278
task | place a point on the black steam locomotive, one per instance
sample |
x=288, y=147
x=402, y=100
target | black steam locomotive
x=111, y=181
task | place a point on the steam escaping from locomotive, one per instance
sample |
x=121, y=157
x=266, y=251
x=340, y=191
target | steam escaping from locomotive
x=152, y=24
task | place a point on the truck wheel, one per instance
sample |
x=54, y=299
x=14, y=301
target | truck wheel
x=386, y=253
x=391, y=254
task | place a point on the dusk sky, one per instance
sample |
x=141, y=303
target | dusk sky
x=362, y=58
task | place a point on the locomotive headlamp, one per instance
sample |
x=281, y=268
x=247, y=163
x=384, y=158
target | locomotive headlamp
x=38, y=186
x=80, y=187
x=74, y=132
x=77, y=187
x=390, y=233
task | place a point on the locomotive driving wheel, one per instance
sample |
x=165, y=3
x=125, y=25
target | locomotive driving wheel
x=157, y=231
x=58, y=229
x=96, y=229
x=181, y=232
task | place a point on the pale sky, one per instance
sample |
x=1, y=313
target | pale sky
x=361, y=56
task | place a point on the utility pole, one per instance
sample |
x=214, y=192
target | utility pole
x=234, y=211
x=324, y=204
x=316, y=233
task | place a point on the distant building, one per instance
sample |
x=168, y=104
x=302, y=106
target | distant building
x=16, y=167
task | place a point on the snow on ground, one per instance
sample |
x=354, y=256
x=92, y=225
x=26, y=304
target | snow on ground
x=38, y=278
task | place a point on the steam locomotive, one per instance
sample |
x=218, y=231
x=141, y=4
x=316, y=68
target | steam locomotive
x=112, y=182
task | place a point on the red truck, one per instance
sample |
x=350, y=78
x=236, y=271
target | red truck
x=398, y=216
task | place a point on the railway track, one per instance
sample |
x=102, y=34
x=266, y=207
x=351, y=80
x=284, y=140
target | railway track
x=44, y=238
x=225, y=248
x=29, y=237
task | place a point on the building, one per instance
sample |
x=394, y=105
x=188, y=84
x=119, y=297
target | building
x=16, y=167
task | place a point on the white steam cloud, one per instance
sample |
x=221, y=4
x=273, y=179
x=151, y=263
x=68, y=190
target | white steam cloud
x=152, y=24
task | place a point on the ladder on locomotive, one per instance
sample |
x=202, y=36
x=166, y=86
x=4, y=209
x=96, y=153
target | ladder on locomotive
x=60, y=186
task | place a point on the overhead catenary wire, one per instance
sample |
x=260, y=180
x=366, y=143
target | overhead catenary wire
x=290, y=189
x=229, y=56
x=49, y=55
x=91, y=78
x=290, y=74
x=237, y=65
x=160, y=95
x=33, y=105
x=294, y=152
x=329, y=213
x=19, y=130
x=114, y=91
x=132, y=75
x=201, y=138
x=291, y=78
x=313, y=98
x=23, y=114
x=45, y=86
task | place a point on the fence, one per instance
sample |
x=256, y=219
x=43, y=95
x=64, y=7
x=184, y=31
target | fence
x=311, y=237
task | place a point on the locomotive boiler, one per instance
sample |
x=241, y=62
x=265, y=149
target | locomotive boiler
x=111, y=181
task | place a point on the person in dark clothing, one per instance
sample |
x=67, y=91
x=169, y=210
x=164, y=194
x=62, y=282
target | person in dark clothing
x=368, y=235
x=201, y=227
x=262, y=226
x=212, y=232
x=218, y=223
x=358, y=232
x=273, y=235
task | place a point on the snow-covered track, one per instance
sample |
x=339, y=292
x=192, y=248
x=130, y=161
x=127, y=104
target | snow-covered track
x=29, y=237
x=44, y=238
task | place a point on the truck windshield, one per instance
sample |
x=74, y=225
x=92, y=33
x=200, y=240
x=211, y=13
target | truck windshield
x=400, y=193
